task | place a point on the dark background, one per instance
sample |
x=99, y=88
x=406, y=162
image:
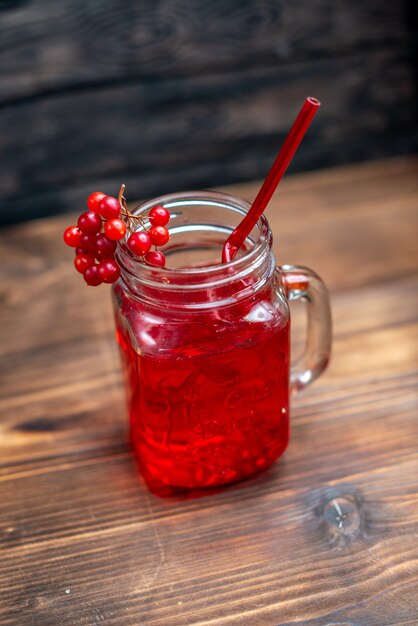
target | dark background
x=172, y=94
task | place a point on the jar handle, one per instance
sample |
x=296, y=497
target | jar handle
x=302, y=283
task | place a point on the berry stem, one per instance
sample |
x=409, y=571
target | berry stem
x=126, y=214
x=121, y=197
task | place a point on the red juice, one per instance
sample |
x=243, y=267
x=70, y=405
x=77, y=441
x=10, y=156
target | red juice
x=211, y=405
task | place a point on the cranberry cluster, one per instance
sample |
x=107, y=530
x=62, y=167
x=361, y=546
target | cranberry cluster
x=106, y=222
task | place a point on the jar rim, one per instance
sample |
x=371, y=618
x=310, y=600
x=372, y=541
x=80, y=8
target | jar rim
x=136, y=267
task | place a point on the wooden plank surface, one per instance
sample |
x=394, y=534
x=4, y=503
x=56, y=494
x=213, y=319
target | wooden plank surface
x=327, y=536
x=159, y=39
x=178, y=93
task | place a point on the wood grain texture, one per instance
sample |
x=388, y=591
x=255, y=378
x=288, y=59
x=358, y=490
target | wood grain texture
x=172, y=94
x=326, y=537
x=45, y=48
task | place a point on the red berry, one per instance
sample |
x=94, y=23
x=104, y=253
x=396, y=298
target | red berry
x=72, y=236
x=88, y=242
x=91, y=276
x=115, y=229
x=155, y=257
x=109, y=271
x=159, y=235
x=109, y=208
x=94, y=200
x=104, y=247
x=90, y=222
x=80, y=250
x=82, y=262
x=159, y=216
x=139, y=243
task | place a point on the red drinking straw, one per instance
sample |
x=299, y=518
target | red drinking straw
x=280, y=165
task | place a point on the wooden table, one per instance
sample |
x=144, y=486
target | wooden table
x=328, y=536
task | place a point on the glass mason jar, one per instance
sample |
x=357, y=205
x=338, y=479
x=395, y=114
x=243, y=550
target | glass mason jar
x=205, y=346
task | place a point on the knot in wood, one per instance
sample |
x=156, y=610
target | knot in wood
x=342, y=515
